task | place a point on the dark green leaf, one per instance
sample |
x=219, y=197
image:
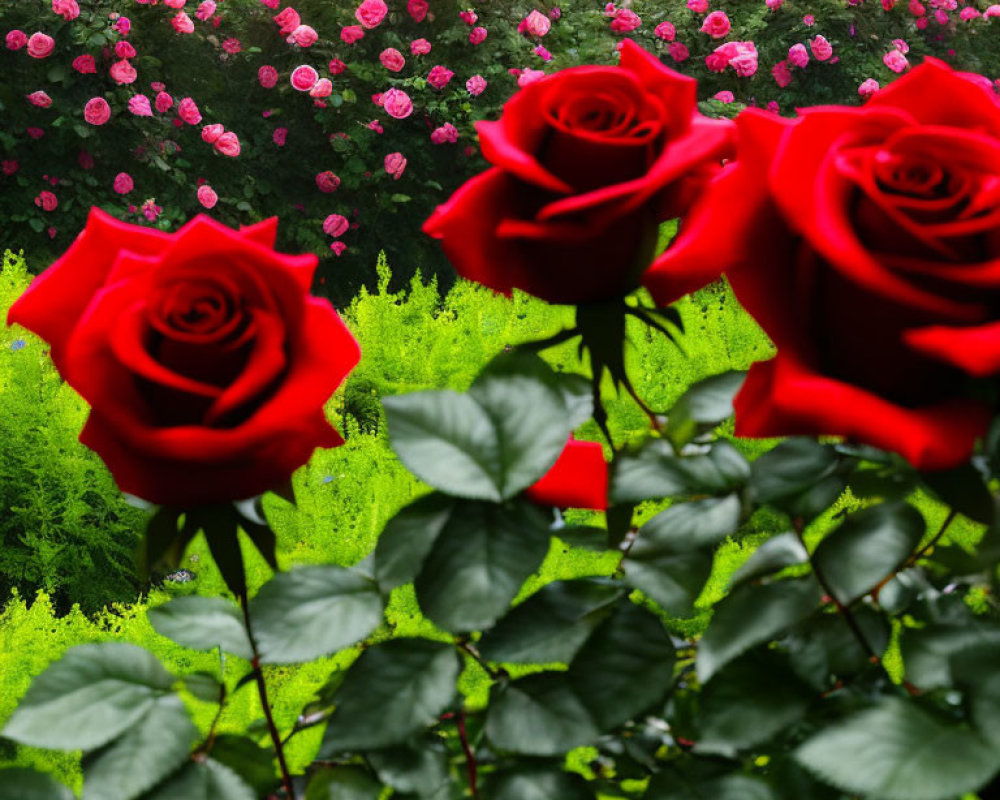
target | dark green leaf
x=975, y=670
x=407, y=539
x=705, y=404
x=208, y=780
x=391, y=692
x=221, y=527
x=147, y=753
x=20, y=783
x=586, y=537
x=539, y=715
x=202, y=623
x=552, y=624
x=655, y=472
x=626, y=666
x=89, y=697
x=310, y=612
x=478, y=563
x=343, y=783
x=204, y=685
x=867, y=547
x=836, y=649
x=253, y=763
x=896, y=751
x=928, y=652
x=963, y=489
x=422, y=769
x=778, y=552
x=752, y=615
x=538, y=783
x=793, y=468
x=689, y=526
x=670, y=785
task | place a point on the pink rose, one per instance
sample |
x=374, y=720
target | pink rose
x=47, y=201
x=327, y=182
x=809, y=20
x=231, y=45
x=123, y=183
x=421, y=47
x=164, y=102
x=901, y=46
x=205, y=10
x=782, y=74
x=397, y=103
x=392, y=59
x=371, y=12
x=35, y=133
x=122, y=72
x=207, y=196
x=625, y=21
x=337, y=66
x=336, y=225
x=724, y=96
x=376, y=126
x=267, y=76
x=303, y=36
x=85, y=160
x=395, y=163
x=542, y=53
x=279, y=136
x=175, y=4
x=40, y=45
x=773, y=5
x=271, y=4
x=123, y=25
x=477, y=35
x=67, y=9
x=211, y=133
x=228, y=144
x=439, y=76
x=139, y=106
x=968, y=13
x=446, y=133
x=40, y=99
x=157, y=86
x=821, y=48
x=182, y=23
x=417, y=9
x=992, y=11
x=124, y=50
x=287, y=20
x=304, y=78
x=338, y=248
x=85, y=64
x=351, y=34
x=476, y=85
x=798, y=56
x=469, y=17
x=895, y=61
x=188, y=111
x=97, y=111
x=868, y=88
x=16, y=39
x=716, y=24
x=679, y=51
x=666, y=31
x=9, y=166
x=537, y=24
x=322, y=88
x=698, y=6
x=529, y=76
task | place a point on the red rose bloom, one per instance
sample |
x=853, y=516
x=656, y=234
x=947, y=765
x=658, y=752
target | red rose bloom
x=586, y=163
x=865, y=242
x=204, y=359
x=578, y=479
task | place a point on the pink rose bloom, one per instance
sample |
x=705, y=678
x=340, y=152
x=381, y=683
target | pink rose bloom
x=150, y=210
x=97, y=111
x=228, y=144
x=529, y=76
x=207, y=196
x=895, y=61
x=773, y=5
x=417, y=9
x=537, y=24
x=476, y=85
x=182, y=23
x=40, y=99
x=211, y=133
x=338, y=248
x=745, y=64
x=351, y=34
x=9, y=166
x=205, y=10
x=446, y=133
x=376, y=126
x=123, y=25
x=123, y=183
x=421, y=47
x=327, y=182
x=175, y=4
x=336, y=225
x=821, y=48
x=287, y=20
x=303, y=36
x=164, y=102
x=542, y=53
x=271, y=4
x=901, y=46
x=67, y=9
x=40, y=45
x=477, y=35
x=724, y=96
x=395, y=163
x=679, y=52
x=124, y=50
x=267, y=76
x=782, y=74
x=469, y=17
x=868, y=88
x=123, y=72
x=698, y=6
x=322, y=88
x=279, y=136
x=231, y=45
x=47, y=201
x=716, y=24
x=371, y=12
x=992, y=11
x=157, y=86
x=139, y=106
x=666, y=31
x=888, y=5
x=921, y=23
x=625, y=21
x=35, y=133
x=717, y=61
x=336, y=66
x=798, y=56
x=397, y=103
x=439, y=76
x=85, y=64
x=188, y=111
x=916, y=8
x=809, y=20
x=304, y=78
x=16, y=40
x=968, y=13
x=392, y=59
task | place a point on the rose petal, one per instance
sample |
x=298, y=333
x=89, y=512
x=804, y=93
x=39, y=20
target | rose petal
x=975, y=350
x=578, y=479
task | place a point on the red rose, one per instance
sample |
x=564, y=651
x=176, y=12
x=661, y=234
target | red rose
x=586, y=163
x=866, y=242
x=578, y=479
x=204, y=359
